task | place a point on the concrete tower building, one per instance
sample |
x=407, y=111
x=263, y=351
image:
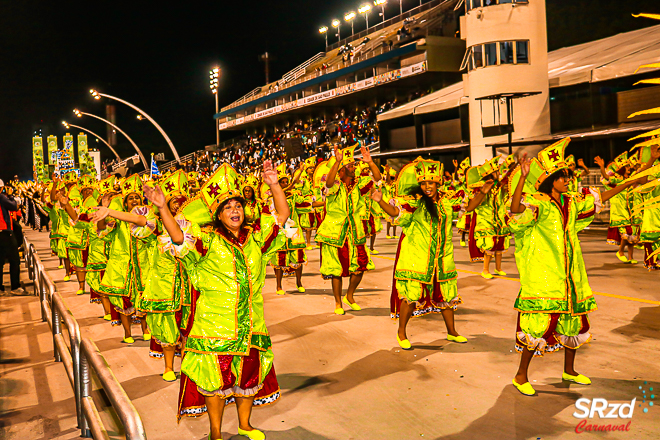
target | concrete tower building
x=507, y=66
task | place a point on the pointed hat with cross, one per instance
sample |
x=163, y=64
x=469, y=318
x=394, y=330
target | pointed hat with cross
x=223, y=184
x=175, y=185
x=428, y=170
x=107, y=185
x=549, y=161
x=132, y=184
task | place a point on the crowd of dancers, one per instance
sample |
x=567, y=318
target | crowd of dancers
x=185, y=255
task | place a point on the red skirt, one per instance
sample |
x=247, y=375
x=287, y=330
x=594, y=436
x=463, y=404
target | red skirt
x=614, y=236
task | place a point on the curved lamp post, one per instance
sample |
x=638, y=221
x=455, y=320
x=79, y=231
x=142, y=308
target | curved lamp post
x=67, y=125
x=98, y=95
x=79, y=114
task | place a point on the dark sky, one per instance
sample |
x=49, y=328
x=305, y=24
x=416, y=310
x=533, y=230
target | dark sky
x=158, y=56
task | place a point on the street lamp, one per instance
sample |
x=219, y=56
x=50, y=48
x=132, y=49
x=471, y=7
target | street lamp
x=365, y=9
x=80, y=115
x=68, y=126
x=350, y=16
x=400, y=7
x=324, y=30
x=382, y=4
x=98, y=96
x=214, y=81
x=335, y=24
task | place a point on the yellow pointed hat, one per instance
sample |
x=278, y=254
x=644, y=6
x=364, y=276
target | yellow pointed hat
x=132, y=184
x=70, y=177
x=429, y=170
x=282, y=171
x=348, y=156
x=619, y=162
x=476, y=174
x=250, y=181
x=107, y=185
x=549, y=161
x=223, y=184
x=176, y=185
x=86, y=182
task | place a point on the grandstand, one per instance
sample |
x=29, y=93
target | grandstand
x=409, y=54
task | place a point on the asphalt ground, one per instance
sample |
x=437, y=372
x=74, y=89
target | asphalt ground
x=344, y=377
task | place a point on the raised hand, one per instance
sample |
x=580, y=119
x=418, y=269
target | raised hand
x=339, y=155
x=155, y=195
x=377, y=195
x=580, y=163
x=269, y=175
x=455, y=162
x=524, y=164
x=487, y=186
x=64, y=200
x=366, y=155
x=101, y=213
x=600, y=162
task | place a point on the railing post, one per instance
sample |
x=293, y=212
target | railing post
x=57, y=330
x=83, y=393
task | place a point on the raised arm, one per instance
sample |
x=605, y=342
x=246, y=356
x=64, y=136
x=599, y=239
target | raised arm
x=279, y=199
x=516, y=206
x=64, y=201
x=377, y=196
x=655, y=155
x=332, y=174
x=479, y=197
x=601, y=164
x=156, y=196
x=366, y=156
x=585, y=170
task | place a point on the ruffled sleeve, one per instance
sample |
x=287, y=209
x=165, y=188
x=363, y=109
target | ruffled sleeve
x=407, y=207
x=109, y=232
x=518, y=222
x=191, y=235
x=588, y=205
x=145, y=231
x=335, y=188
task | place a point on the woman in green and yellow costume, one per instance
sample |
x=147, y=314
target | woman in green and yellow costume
x=167, y=297
x=131, y=233
x=373, y=213
x=57, y=211
x=342, y=235
x=464, y=218
x=388, y=193
x=649, y=206
x=578, y=175
x=292, y=256
x=424, y=270
x=307, y=210
x=489, y=234
x=252, y=206
x=228, y=356
x=555, y=297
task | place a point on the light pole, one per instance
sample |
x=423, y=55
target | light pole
x=324, y=30
x=350, y=16
x=400, y=7
x=98, y=95
x=382, y=4
x=365, y=9
x=80, y=114
x=67, y=126
x=335, y=24
x=215, y=75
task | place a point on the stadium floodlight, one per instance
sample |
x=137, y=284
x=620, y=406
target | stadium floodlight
x=215, y=80
x=350, y=16
x=324, y=30
x=382, y=4
x=335, y=24
x=365, y=9
x=68, y=127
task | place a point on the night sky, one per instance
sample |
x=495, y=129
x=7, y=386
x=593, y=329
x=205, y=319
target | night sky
x=157, y=56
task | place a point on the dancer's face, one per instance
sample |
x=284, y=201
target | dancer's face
x=133, y=200
x=561, y=184
x=248, y=192
x=430, y=189
x=231, y=215
x=175, y=204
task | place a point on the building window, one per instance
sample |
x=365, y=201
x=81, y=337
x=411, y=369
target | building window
x=522, y=52
x=477, y=52
x=490, y=49
x=473, y=4
x=506, y=52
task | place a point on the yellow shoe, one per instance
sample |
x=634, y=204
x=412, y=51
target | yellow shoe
x=375, y=252
x=339, y=311
x=527, y=389
x=486, y=275
x=622, y=258
x=66, y=278
x=61, y=266
x=395, y=236
x=353, y=306
x=107, y=317
x=463, y=243
x=500, y=273
x=281, y=292
x=309, y=248
x=170, y=376
x=128, y=340
x=146, y=336
x=460, y=339
x=255, y=434
x=405, y=344
x=579, y=379
x=301, y=289
x=633, y=261
x=80, y=292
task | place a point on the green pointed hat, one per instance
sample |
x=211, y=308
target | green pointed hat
x=428, y=170
x=548, y=161
x=476, y=174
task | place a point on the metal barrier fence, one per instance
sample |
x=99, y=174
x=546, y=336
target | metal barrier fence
x=78, y=357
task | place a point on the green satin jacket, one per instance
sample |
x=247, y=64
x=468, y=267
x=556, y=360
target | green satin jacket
x=553, y=278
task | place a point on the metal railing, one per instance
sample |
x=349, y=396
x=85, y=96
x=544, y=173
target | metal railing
x=78, y=356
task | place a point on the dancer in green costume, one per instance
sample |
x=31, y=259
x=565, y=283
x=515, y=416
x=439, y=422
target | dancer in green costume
x=228, y=354
x=555, y=297
x=131, y=233
x=342, y=235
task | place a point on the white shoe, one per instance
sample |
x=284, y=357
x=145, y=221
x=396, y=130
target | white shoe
x=19, y=292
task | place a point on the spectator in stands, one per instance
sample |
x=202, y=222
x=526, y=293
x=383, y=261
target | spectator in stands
x=8, y=244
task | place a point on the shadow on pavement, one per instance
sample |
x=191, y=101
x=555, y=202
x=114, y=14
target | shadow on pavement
x=646, y=324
